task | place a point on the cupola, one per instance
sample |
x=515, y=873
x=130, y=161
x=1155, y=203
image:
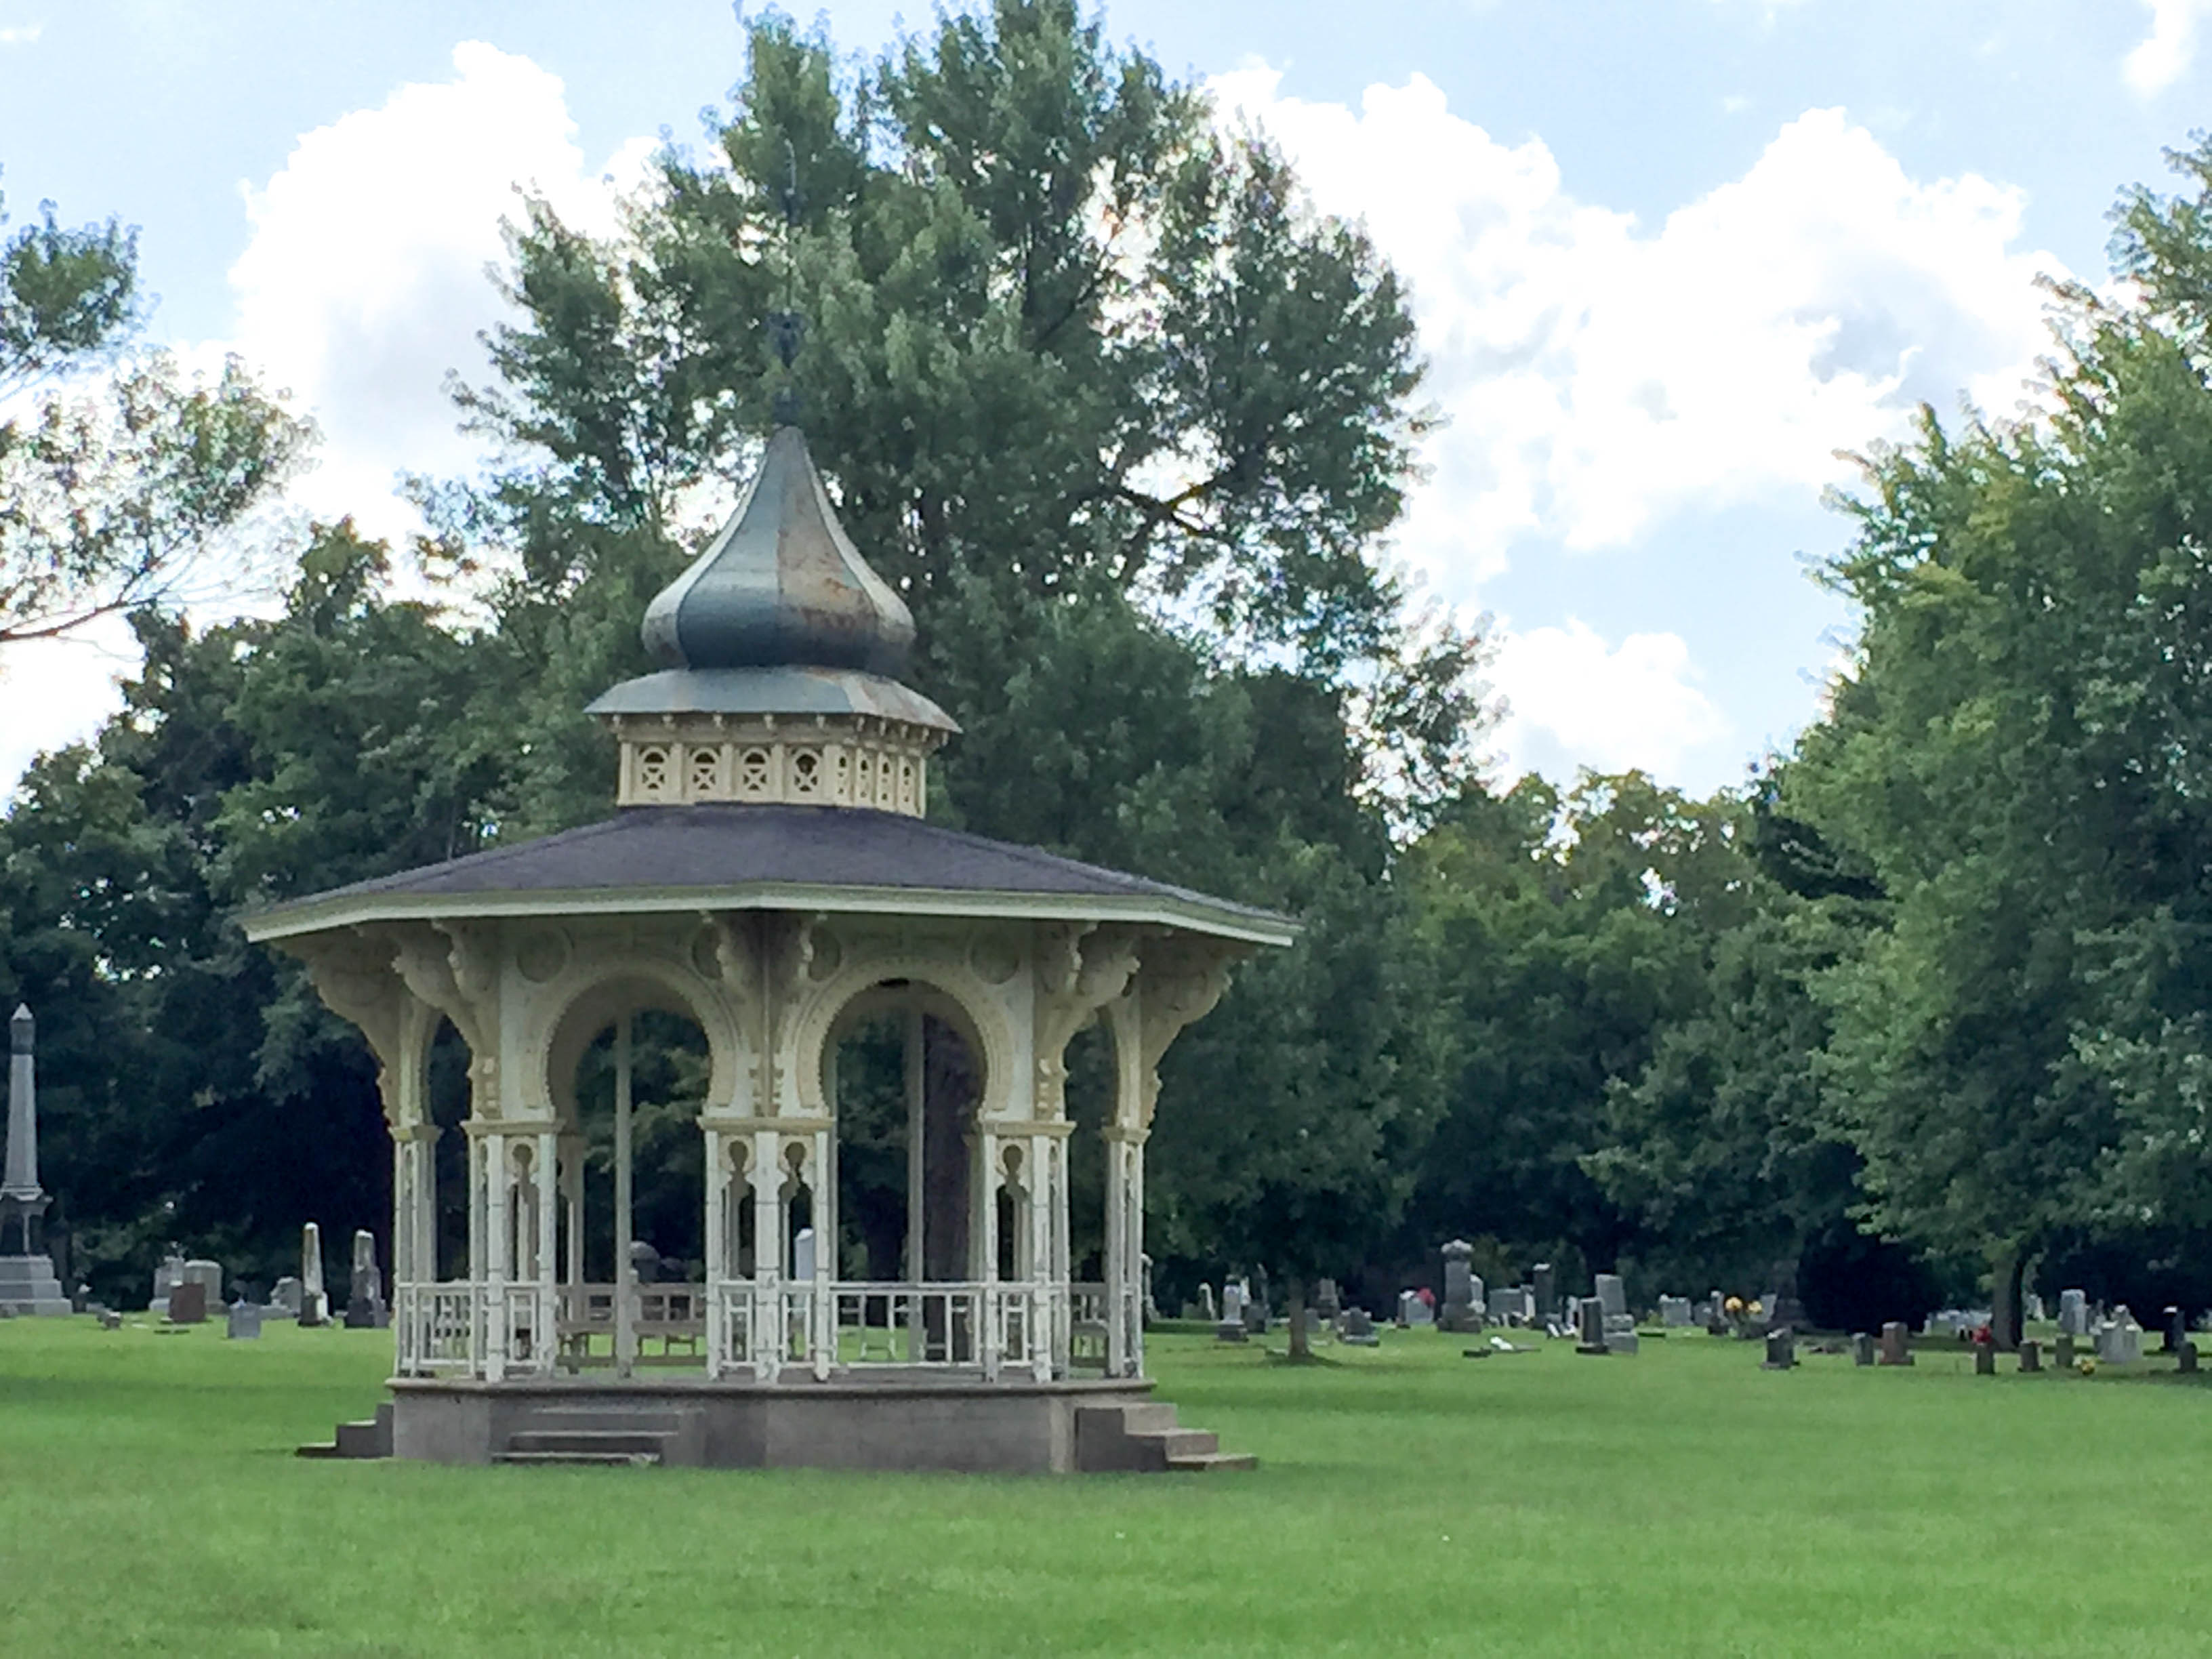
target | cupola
x=784, y=653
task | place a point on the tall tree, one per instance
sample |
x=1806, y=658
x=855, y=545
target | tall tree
x=121, y=481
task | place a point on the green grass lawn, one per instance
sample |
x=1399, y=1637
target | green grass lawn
x=1408, y=1501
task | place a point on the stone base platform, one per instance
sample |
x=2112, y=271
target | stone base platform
x=935, y=1423
x=29, y=1287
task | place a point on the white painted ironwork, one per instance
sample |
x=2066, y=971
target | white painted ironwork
x=440, y=1329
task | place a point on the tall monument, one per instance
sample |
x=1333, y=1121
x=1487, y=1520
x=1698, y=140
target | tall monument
x=27, y=1284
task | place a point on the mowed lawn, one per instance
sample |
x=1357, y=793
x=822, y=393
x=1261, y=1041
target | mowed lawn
x=1409, y=1500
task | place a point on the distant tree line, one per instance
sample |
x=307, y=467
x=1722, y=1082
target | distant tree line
x=1919, y=1010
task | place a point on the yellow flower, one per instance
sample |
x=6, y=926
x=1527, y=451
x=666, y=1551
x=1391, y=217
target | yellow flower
x=1756, y=1309
x=2086, y=1366
x=1734, y=1304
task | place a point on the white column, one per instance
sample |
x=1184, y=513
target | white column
x=572, y=1197
x=771, y=1336
x=983, y=1247
x=1042, y=1183
x=716, y=1239
x=1117, y=1255
x=824, y=1223
x=498, y=1183
x=479, y=1249
x=625, y=1269
x=1132, y=1260
x=548, y=1207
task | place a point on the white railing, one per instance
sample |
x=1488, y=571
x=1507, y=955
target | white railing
x=440, y=1328
x=763, y=1326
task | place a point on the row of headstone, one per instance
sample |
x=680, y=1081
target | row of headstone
x=1414, y=1310
x=1675, y=1312
x=1514, y=1304
x=2119, y=1339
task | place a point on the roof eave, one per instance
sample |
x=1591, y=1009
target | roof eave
x=312, y=916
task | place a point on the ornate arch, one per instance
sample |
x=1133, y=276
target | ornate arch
x=981, y=1006
x=598, y=988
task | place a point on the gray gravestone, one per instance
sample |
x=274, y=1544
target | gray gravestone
x=1545, y=1285
x=1328, y=1301
x=1863, y=1349
x=315, y=1301
x=1358, y=1329
x=2119, y=1340
x=2073, y=1313
x=1985, y=1359
x=2062, y=1352
x=1589, y=1326
x=29, y=1283
x=1231, y=1326
x=245, y=1324
x=1205, y=1302
x=1781, y=1350
x=166, y=1278
x=1895, y=1350
x=1611, y=1296
x=1463, y=1295
x=2186, y=1354
x=284, y=1299
x=2030, y=1357
x=208, y=1275
x=1675, y=1311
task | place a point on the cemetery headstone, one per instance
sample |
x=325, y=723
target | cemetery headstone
x=1611, y=1296
x=1589, y=1326
x=315, y=1301
x=110, y=1320
x=2062, y=1352
x=1206, y=1302
x=1544, y=1283
x=2030, y=1357
x=2186, y=1354
x=1895, y=1348
x=1231, y=1325
x=2174, y=1331
x=2073, y=1313
x=245, y=1324
x=1675, y=1311
x=166, y=1278
x=2032, y=1309
x=1463, y=1293
x=2119, y=1340
x=29, y=1282
x=81, y=1298
x=1328, y=1301
x=1985, y=1359
x=1619, y=1340
x=188, y=1304
x=1359, y=1329
x=1781, y=1350
x=1863, y=1348
x=1255, y=1316
x=209, y=1276
x=284, y=1299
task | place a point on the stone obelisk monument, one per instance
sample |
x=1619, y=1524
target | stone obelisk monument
x=28, y=1284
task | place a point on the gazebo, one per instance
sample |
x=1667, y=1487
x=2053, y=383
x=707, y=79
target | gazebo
x=769, y=877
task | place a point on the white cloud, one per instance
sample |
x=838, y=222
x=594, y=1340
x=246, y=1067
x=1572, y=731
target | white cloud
x=22, y=35
x=1598, y=375
x=2163, y=55
x=362, y=282
x=365, y=277
x=1574, y=701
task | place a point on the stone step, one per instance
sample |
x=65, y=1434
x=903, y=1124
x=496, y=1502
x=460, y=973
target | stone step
x=614, y=1443
x=1145, y=1438
x=581, y=1458
x=1148, y=1418
x=368, y=1436
x=1212, y=1463
x=1179, y=1443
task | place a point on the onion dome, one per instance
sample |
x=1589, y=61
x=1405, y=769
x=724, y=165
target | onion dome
x=784, y=652
x=782, y=586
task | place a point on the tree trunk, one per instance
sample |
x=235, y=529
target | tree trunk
x=1300, y=1350
x=2008, y=1265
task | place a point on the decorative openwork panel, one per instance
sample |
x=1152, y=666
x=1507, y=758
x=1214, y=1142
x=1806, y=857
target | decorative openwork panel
x=842, y=762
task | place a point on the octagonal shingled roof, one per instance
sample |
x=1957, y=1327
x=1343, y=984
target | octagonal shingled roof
x=768, y=856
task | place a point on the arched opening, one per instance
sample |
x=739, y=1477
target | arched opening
x=903, y=1075
x=445, y=1098
x=629, y=1069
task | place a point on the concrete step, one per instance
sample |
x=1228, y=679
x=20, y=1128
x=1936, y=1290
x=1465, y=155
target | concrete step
x=581, y=1458
x=624, y=1443
x=1179, y=1443
x=1145, y=1439
x=1212, y=1463
x=369, y=1437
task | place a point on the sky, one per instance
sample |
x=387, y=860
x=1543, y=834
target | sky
x=1672, y=262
